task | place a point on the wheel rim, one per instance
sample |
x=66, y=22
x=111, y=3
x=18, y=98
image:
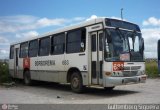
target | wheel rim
x=75, y=82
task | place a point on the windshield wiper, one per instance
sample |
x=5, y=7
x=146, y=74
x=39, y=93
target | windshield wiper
x=120, y=33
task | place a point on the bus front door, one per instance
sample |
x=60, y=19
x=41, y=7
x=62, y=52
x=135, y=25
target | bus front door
x=96, y=57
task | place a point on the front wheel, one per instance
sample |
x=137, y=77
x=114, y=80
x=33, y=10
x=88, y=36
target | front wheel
x=27, y=78
x=76, y=82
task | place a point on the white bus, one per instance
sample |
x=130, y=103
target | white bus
x=101, y=52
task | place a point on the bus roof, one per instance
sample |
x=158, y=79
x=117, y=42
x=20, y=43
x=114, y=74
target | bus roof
x=67, y=28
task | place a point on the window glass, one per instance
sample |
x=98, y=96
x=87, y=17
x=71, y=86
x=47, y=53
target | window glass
x=136, y=44
x=76, y=41
x=44, y=46
x=122, y=24
x=33, y=48
x=100, y=41
x=24, y=50
x=130, y=43
x=125, y=46
x=58, y=44
x=74, y=47
x=93, y=43
x=74, y=36
x=11, y=52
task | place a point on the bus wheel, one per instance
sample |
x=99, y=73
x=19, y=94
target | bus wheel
x=109, y=88
x=76, y=82
x=27, y=78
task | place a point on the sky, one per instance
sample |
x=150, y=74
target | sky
x=24, y=19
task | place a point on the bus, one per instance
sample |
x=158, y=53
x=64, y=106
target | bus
x=102, y=52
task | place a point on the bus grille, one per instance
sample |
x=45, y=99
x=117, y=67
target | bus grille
x=135, y=67
x=131, y=71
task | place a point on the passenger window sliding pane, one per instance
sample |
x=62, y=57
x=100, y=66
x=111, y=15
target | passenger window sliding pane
x=33, y=48
x=74, y=36
x=74, y=47
x=44, y=46
x=11, y=52
x=58, y=44
x=24, y=50
x=76, y=41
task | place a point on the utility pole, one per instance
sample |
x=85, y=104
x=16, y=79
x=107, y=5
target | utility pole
x=122, y=13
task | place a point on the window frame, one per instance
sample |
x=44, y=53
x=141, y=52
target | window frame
x=11, y=55
x=83, y=38
x=33, y=48
x=20, y=53
x=53, y=44
x=39, y=54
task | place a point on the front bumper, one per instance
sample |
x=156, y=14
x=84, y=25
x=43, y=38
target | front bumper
x=115, y=81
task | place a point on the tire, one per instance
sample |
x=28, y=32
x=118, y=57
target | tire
x=76, y=83
x=109, y=88
x=27, y=78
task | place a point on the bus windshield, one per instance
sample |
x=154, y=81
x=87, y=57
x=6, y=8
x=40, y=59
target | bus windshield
x=122, y=45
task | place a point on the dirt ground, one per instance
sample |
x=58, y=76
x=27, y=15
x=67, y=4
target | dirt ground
x=51, y=93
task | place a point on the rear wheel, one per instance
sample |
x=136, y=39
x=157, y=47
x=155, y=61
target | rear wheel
x=27, y=78
x=76, y=82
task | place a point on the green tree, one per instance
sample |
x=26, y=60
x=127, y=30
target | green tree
x=4, y=72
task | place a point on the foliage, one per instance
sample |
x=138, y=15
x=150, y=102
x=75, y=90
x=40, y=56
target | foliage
x=4, y=72
x=152, y=69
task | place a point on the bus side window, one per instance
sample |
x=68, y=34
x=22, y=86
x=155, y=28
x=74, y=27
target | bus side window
x=44, y=46
x=33, y=48
x=76, y=40
x=57, y=44
x=24, y=50
x=100, y=41
x=11, y=52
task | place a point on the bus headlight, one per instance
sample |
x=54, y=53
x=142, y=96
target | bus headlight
x=108, y=73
